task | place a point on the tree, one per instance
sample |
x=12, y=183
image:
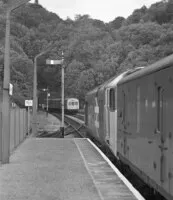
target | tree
x=72, y=74
x=136, y=16
x=157, y=12
x=117, y=22
x=85, y=83
x=22, y=74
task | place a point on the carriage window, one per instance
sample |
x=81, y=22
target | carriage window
x=138, y=110
x=112, y=99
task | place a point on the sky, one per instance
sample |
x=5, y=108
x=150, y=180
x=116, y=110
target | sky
x=104, y=10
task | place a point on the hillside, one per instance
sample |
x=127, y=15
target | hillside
x=94, y=51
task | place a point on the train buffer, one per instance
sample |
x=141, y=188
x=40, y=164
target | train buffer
x=56, y=168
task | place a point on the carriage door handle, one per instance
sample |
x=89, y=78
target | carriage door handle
x=150, y=142
x=163, y=148
x=156, y=131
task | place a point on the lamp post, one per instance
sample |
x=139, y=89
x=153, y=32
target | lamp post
x=10, y=6
x=62, y=95
x=34, y=119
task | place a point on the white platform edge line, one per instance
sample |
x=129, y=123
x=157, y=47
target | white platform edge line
x=127, y=183
x=87, y=168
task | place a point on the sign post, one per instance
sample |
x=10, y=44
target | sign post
x=28, y=103
x=28, y=120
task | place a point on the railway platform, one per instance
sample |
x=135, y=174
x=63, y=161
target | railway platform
x=62, y=169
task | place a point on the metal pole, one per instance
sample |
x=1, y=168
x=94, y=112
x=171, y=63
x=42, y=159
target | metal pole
x=34, y=123
x=6, y=99
x=47, y=102
x=62, y=99
x=28, y=120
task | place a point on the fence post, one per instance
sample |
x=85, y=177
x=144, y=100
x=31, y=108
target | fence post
x=0, y=136
x=15, y=137
x=24, y=134
x=23, y=125
x=20, y=122
x=11, y=130
x=17, y=127
x=26, y=120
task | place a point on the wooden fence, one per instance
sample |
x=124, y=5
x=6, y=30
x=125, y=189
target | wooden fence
x=18, y=127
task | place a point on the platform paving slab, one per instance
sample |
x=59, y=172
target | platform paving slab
x=53, y=168
x=46, y=169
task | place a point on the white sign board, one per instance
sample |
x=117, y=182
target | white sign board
x=54, y=62
x=28, y=102
x=10, y=89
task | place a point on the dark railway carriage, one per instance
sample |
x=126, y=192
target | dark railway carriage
x=145, y=127
x=54, y=105
x=71, y=105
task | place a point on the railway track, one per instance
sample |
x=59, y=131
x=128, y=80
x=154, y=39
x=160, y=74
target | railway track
x=74, y=128
x=80, y=116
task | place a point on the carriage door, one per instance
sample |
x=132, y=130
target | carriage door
x=161, y=131
x=124, y=123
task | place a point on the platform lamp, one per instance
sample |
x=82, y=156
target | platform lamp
x=10, y=5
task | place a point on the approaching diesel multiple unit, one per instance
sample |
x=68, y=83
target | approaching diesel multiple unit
x=132, y=114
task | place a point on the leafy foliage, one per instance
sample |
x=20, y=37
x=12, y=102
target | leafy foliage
x=94, y=51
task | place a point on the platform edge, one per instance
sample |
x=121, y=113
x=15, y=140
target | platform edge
x=126, y=182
